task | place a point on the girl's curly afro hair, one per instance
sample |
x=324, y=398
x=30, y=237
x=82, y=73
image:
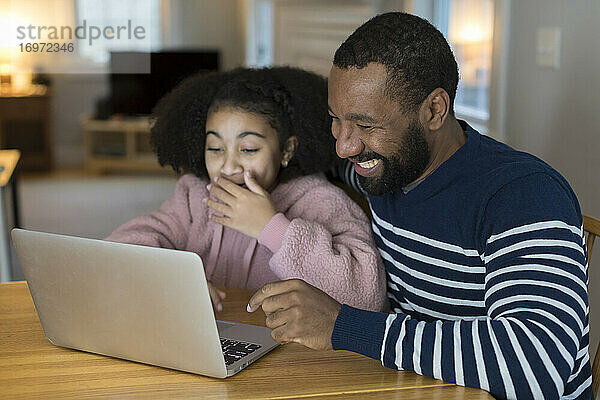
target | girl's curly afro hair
x=294, y=102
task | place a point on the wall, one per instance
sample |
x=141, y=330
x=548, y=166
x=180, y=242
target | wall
x=553, y=113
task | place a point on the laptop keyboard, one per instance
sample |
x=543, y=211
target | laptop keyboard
x=234, y=350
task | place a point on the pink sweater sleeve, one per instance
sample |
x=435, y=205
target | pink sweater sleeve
x=169, y=226
x=326, y=240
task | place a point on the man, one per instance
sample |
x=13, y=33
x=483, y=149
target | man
x=483, y=245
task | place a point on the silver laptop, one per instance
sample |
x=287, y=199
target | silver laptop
x=139, y=303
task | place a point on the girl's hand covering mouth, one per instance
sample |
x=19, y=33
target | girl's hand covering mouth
x=246, y=209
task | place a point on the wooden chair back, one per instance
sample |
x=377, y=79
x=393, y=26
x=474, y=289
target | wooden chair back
x=591, y=226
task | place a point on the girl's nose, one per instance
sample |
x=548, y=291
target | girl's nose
x=231, y=167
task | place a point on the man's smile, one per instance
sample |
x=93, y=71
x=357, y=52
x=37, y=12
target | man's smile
x=368, y=164
x=368, y=168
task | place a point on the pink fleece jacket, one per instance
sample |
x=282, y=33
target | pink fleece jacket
x=319, y=235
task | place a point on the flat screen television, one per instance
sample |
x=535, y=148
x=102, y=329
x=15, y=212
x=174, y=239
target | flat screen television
x=137, y=93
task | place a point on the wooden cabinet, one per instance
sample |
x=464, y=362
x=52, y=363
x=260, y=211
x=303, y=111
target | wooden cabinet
x=25, y=125
x=119, y=145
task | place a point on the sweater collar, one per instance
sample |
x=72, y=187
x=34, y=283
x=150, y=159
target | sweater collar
x=446, y=172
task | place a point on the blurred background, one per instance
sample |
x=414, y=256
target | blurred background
x=80, y=116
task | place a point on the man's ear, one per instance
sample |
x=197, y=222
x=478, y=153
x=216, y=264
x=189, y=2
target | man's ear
x=435, y=109
x=289, y=148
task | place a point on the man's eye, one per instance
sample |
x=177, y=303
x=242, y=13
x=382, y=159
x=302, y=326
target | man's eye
x=334, y=117
x=365, y=127
x=214, y=149
x=249, y=150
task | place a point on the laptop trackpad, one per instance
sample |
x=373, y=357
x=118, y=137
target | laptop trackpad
x=223, y=326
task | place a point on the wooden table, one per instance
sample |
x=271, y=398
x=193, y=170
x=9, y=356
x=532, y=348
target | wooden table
x=31, y=367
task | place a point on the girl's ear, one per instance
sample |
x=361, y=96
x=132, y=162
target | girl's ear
x=289, y=148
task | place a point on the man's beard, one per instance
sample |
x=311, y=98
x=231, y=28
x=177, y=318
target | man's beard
x=403, y=168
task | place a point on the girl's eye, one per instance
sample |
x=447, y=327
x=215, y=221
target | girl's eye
x=249, y=150
x=215, y=149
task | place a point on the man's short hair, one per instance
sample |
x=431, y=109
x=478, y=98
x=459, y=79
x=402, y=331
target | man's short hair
x=416, y=55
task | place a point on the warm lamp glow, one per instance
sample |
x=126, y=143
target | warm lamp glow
x=471, y=22
x=5, y=48
x=15, y=72
x=8, y=24
x=21, y=81
x=5, y=69
x=470, y=33
x=4, y=29
x=9, y=51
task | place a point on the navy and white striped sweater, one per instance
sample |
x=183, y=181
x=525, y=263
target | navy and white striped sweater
x=487, y=277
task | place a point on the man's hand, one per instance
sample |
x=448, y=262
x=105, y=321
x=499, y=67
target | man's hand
x=297, y=312
x=245, y=210
x=216, y=296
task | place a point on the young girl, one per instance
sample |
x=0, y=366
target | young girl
x=254, y=203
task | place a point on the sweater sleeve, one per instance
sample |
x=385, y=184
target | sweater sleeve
x=169, y=226
x=533, y=340
x=327, y=242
